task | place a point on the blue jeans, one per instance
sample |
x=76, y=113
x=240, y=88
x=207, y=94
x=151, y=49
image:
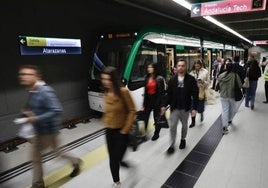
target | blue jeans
x=228, y=110
x=251, y=93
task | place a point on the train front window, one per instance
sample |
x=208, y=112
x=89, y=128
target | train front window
x=110, y=53
x=145, y=56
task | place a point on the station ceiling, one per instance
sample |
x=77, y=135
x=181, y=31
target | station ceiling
x=101, y=16
x=252, y=25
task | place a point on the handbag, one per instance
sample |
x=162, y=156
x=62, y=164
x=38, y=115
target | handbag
x=237, y=91
x=161, y=122
x=246, y=83
x=137, y=135
x=26, y=131
x=246, y=80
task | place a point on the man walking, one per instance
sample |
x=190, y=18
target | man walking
x=42, y=110
x=182, y=89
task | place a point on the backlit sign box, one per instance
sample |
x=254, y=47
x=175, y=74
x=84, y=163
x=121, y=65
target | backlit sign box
x=261, y=42
x=48, y=46
x=227, y=7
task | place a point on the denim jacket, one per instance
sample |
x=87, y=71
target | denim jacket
x=44, y=103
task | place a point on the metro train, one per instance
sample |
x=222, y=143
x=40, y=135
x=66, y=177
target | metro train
x=130, y=52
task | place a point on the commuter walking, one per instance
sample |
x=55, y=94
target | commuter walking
x=154, y=94
x=254, y=72
x=181, y=89
x=263, y=64
x=118, y=118
x=202, y=78
x=238, y=69
x=227, y=95
x=266, y=84
x=215, y=67
x=43, y=110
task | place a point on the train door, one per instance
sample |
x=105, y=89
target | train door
x=147, y=53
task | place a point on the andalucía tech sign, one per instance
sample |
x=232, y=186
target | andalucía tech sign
x=227, y=7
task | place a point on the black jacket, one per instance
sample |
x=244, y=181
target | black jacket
x=191, y=92
x=160, y=91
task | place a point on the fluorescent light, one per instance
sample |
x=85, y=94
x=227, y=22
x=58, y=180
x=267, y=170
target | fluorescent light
x=188, y=6
x=172, y=39
x=184, y=3
x=216, y=22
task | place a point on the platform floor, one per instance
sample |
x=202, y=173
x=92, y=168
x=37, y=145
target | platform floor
x=239, y=160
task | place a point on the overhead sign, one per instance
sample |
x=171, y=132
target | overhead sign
x=48, y=46
x=227, y=7
x=261, y=42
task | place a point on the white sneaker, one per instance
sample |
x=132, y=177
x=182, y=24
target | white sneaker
x=116, y=185
x=225, y=130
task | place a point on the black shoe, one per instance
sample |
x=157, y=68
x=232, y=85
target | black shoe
x=265, y=102
x=202, y=117
x=76, y=169
x=182, y=144
x=170, y=150
x=252, y=107
x=192, y=125
x=155, y=137
x=124, y=164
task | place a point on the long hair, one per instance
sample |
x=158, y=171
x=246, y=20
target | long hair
x=197, y=62
x=117, y=84
x=155, y=73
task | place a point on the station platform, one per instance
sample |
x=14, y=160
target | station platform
x=238, y=159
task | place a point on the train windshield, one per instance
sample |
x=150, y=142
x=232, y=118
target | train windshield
x=110, y=53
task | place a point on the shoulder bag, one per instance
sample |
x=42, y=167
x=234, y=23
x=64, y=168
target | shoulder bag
x=237, y=91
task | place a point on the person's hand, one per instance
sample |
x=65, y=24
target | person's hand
x=27, y=113
x=163, y=110
x=31, y=119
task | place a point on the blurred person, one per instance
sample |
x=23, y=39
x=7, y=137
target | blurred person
x=181, y=89
x=254, y=72
x=263, y=64
x=227, y=81
x=43, y=110
x=154, y=94
x=201, y=76
x=215, y=65
x=238, y=69
x=118, y=117
x=203, y=63
x=174, y=71
x=266, y=84
x=221, y=69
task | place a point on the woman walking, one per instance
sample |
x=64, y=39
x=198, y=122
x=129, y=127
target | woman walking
x=227, y=95
x=202, y=78
x=153, y=96
x=118, y=119
x=253, y=72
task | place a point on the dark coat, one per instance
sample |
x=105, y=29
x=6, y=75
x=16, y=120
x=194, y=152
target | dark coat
x=191, y=92
x=160, y=91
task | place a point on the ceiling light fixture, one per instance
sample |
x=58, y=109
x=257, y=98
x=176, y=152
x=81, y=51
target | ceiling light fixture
x=188, y=6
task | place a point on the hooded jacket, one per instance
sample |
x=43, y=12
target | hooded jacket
x=227, y=81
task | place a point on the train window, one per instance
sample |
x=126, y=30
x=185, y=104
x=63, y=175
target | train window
x=110, y=53
x=145, y=56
